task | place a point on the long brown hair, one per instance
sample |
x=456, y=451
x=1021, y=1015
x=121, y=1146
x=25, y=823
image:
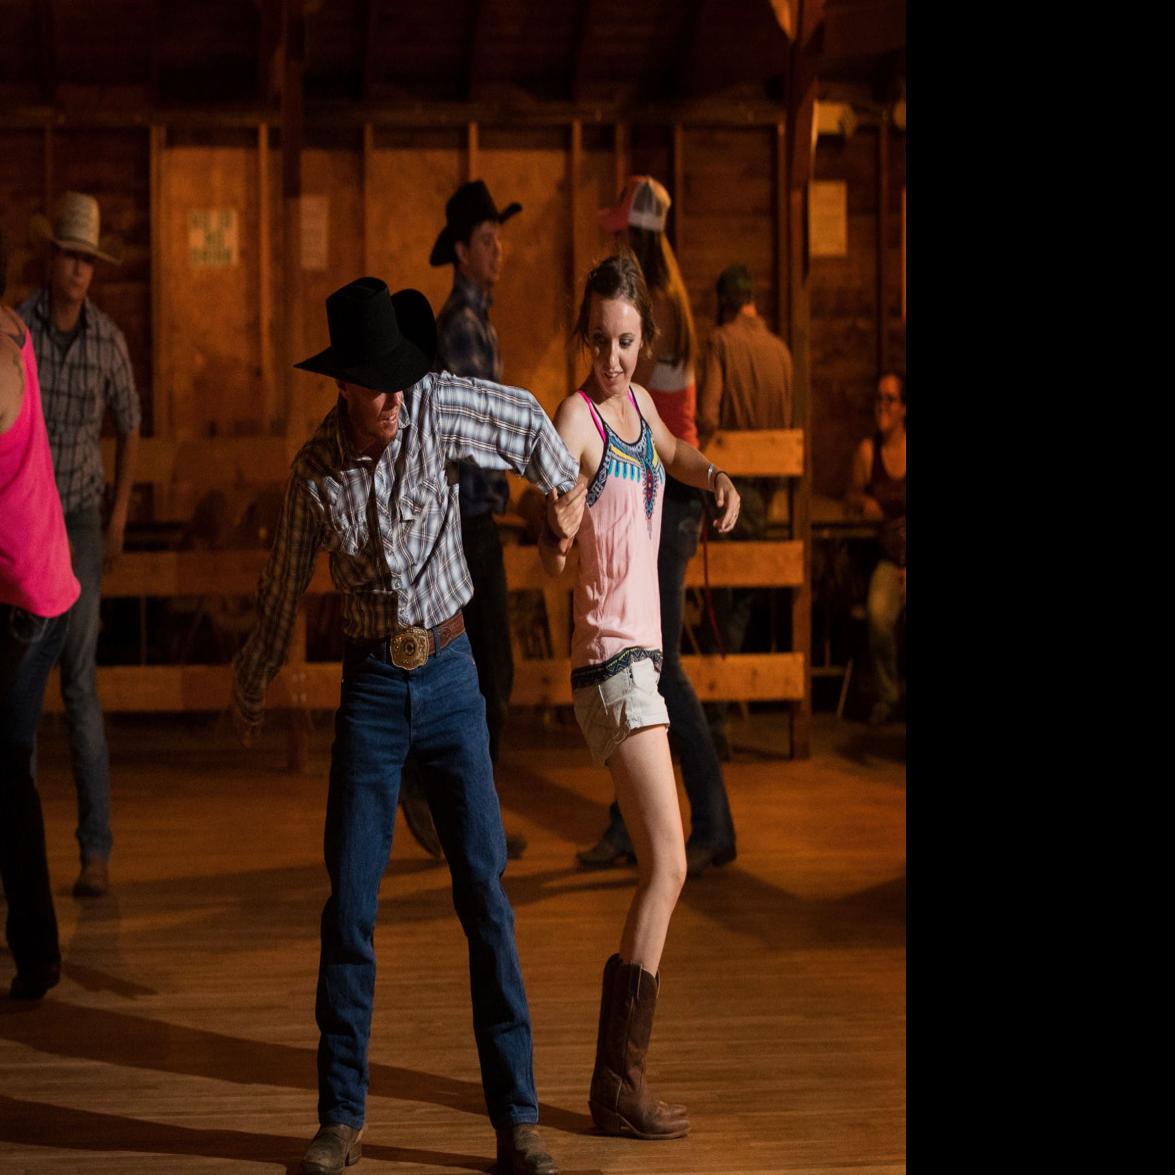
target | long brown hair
x=659, y=266
x=618, y=276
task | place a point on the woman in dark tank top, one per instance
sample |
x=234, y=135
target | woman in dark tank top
x=877, y=489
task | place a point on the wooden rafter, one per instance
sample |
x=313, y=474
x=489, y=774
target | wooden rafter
x=583, y=39
x=477, y=53
x=692, y=20
x=47, y=46
x=269, y=35
x=371, y=18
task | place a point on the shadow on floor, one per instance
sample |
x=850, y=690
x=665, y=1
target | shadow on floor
x=26, y=1123
x=119, y=1038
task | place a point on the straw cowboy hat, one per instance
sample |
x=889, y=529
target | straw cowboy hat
x=378, y=340
x=75, y=226
x=467, y=207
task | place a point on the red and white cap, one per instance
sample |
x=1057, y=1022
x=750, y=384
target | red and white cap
x=644, y=203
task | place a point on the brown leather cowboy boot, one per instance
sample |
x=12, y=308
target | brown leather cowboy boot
x=620, y=1101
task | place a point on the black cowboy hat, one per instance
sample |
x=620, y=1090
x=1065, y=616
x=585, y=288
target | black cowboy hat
x=377, y=340
x=468, y=206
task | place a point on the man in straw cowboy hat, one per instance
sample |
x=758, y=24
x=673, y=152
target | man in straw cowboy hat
x=467, y=344
x=373, y=486
x=85, y=369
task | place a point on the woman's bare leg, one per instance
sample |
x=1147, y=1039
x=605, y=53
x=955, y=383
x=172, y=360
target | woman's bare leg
x=642, y=770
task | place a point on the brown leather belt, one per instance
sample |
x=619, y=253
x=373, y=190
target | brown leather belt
x=409, y=648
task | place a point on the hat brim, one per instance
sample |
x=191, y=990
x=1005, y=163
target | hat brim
x=443, y=252
x=110, y=248
x=405, y=364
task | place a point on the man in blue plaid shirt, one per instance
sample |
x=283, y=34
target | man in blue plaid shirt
x=85, y=370
x=377, y=487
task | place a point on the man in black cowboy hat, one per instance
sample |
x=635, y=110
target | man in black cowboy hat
x=372, y=486
x=467, y=344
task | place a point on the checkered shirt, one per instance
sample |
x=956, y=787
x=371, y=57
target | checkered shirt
x=392, y=524
x=467, y=344
x=76, y=388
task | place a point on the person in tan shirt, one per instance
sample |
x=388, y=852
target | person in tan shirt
x=745, y=383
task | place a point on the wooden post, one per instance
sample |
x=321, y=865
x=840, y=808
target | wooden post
x=882, y=243
x=574, y=179
x=801, y=101
x=161, y=415
x=471, y=162
x=264, y=281
x=782, y=248
x=293, y=40
x=620, y=152
x=369, y=264
x=678, y=189
x=47, y=177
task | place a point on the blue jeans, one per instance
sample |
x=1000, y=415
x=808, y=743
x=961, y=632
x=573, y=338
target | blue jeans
x=711, y=824
x=79, y=687
x=29, y=646
x=436, y=711
x=883, y=608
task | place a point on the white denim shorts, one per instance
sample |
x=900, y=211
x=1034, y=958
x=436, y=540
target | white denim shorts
x=625, y=702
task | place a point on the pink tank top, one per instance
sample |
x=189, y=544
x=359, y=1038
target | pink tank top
x=617, y=604
x=35, y=569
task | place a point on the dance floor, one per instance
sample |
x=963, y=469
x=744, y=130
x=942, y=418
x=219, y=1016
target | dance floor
x=182, y=1036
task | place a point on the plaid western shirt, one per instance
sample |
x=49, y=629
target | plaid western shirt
x=76, y=388
x=467, y=344
x=391, y=524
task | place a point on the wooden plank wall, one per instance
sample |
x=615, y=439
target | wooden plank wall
x=386, y=190
x=845, y=331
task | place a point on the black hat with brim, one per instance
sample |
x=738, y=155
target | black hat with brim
x=378, y=340
x=469, y=205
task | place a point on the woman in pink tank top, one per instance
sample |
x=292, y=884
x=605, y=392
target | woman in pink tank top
x=612, y=427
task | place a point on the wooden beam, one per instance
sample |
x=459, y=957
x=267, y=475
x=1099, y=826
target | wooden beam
x=693, y=14
x=265, y=284
x=882, y=246
x=575, y=256
x=583, y=50
x=293, y=60
x=161, y=414
x=477, y=52
x=323, y=114
x=160, y=574
x=782, y=282
x=678, y=239
x=769, y=452
x=472, y=163
x=153, y=689
x=620, y=154
x=47, y=49
x=269, y=46
x=368, y=164
x=47, y=145
x=371, y=18
x=801, y=101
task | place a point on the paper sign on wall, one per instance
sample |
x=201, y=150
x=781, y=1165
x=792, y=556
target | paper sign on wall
x=213, y=238
x=315, y=232
x=828, y=218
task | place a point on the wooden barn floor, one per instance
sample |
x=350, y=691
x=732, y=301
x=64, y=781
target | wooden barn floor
x=182, y=1036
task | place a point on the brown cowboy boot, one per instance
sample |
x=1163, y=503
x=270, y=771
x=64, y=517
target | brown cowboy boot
x=334, y=1148
x=620, y=1101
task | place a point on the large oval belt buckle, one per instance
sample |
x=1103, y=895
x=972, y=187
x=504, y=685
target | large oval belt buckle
x=410, y=648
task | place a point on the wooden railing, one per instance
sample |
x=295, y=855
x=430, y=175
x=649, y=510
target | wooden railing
x=303, y=685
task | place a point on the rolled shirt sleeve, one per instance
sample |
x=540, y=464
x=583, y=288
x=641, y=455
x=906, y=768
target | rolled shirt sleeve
x=287, y=574
x=501, y=427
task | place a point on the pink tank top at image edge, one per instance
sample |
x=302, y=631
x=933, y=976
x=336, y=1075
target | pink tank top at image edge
x=36, y=573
